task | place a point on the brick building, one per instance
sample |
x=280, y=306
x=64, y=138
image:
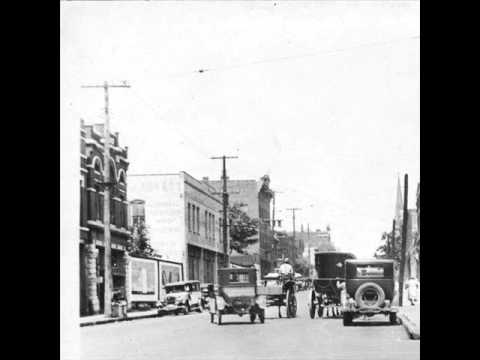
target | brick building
x=254, y=198
x=91, y=217
x=184, y=221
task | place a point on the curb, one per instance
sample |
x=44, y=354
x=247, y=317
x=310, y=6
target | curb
x=412, y=328
x=113, y=320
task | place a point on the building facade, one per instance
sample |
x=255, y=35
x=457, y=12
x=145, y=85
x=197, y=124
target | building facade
x=91, y=218
x=254, y=198
x=184, y=221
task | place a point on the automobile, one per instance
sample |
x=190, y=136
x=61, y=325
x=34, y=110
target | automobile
x=237, y=294
x=369, y=288
x=181, y=297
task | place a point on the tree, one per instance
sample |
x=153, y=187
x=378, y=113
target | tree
x=387, y=251
x=139, y=242
x=242, y=228
x=302, y=266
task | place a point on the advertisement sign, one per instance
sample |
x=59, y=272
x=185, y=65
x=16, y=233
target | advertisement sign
x=144, y=280
x=169, y=273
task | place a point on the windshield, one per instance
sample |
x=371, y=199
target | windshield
x=176, y=289
x=370, y=271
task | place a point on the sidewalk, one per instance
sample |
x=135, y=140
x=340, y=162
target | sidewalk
x=102, y=319
x=409, y=316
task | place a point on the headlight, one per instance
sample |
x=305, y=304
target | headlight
x=262, y=301
x=220, y=303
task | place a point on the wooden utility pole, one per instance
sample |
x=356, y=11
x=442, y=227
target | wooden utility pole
x=293, y=221
x=226, y=243
x=107, y=182
x=404, y=240
x=391, y=243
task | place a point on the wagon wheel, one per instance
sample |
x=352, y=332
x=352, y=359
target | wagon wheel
x=312, y=306
x=291, y=304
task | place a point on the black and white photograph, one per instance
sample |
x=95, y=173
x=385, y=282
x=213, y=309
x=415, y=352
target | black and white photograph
x=240, y=180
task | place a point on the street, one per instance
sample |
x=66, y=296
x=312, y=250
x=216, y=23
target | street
x=194, y=337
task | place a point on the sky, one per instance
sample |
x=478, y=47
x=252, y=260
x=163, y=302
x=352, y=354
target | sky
x=321, y=96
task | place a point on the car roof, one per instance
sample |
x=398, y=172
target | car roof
x=369, y=261
x=179, y=283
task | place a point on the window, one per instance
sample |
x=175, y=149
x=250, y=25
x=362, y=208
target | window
x=365, y=271
x=207, y=224
x=239, y=278
x=189, y=215
x=213, y=227
x=198, y=220
x=193, y=219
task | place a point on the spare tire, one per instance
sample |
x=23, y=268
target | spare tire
x=369, y=295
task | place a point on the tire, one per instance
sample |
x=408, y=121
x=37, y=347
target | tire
x=393, y=318
x=347, y=319
x=366, y=287
x=219, y=316
x=291, y=304
x=253, y=316
x=312, y=311
x=261, y=316
x=320, y=311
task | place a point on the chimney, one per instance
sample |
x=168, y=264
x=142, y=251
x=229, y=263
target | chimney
x=205, y=178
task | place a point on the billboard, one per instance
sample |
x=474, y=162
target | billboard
x=149, y=276
x=144, y=280
x=169, y=273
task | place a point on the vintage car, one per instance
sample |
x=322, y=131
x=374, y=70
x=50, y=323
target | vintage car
x=370, y=289
x=181, y=297
x=237, y=295
x=325, y=296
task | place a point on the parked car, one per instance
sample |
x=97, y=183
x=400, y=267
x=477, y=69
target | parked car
x=182, y=297
x=370, y=289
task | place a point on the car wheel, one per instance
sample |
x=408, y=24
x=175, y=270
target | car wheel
x=219, y=316
x=393, y=318
x=261, y=316
x=320, y=311
x=347, y=319
x=253, y=316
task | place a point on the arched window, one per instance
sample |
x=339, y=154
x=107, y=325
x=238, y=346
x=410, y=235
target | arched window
x=97, y=164
x=121, y=176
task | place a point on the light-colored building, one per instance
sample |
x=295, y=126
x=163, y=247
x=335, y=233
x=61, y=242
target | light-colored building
x=184, y=221
x=254, y=198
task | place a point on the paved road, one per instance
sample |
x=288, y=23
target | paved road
x=192, y=337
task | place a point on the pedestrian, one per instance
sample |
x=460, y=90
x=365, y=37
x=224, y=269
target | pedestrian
x=412, y=285
x=286, y=269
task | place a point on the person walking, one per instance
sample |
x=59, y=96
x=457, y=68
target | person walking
x=412, y=286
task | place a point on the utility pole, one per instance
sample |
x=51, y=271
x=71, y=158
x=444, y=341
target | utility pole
x=293, y=221
x=107, y=275
x=391, y=243
x=404, y=240
x=273, y=222
x=309, y=251
x=226, y=244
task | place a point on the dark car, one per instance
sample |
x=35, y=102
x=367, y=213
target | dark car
x=237, y=295
x=370, y=288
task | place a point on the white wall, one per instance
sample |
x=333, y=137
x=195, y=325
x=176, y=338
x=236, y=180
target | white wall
x=164, y=212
